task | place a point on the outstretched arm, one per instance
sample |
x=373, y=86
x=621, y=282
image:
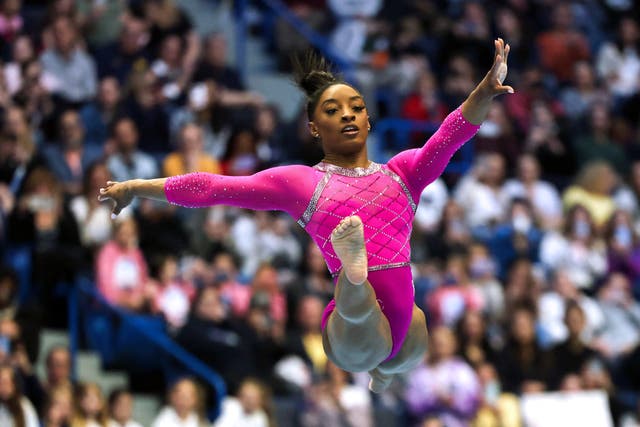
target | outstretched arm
x=419, y=167
x=282, y=188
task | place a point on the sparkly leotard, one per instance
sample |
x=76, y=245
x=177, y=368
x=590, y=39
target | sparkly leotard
x=319, y=197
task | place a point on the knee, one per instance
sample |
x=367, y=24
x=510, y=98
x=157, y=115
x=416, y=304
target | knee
x=358, y=356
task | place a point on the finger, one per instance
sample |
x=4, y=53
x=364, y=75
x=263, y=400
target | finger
x=500, y=90
x=501, y=47
x=507, y=49
x=493, y=72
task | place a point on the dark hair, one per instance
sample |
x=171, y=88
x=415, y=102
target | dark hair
x=115, y=395
x=313, y=75
x=13, y=403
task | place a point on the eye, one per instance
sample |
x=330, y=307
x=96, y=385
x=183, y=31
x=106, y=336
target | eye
x=331, y=111
x=359, y=108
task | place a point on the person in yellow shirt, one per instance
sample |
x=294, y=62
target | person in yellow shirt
x=593, y=189
x=190, y=156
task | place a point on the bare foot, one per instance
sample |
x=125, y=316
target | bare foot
x=379, y=382
x=348, y=243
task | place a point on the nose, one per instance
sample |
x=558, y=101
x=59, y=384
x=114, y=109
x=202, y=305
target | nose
x=348, y=116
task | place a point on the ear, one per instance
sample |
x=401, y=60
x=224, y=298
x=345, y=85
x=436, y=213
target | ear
x=368, y=123
x=313, y=129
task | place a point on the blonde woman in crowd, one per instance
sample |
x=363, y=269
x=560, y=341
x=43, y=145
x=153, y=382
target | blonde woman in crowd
x=90, y=407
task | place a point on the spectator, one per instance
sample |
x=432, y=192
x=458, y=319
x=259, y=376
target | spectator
x=22, y=53
x=251, y=407
x=145, y=106
x=478, y=193
x=336, y=402
x=11, y=23
x=620, y=333
x=518, y=238
x=173, y=295
x=72, y=155
x=18, y=156
x=618, y=61
x=90, y=407
x=121, y=269
x=127, y=161
x=214, y=65
x=73, y=69
x=129, y=54
x=579, y=98
x=498, y=135
x=93, y=217
x=571, y=354
x=623, y=254
x=241, y=157
x=34, y=95
x=497, y=408
x=452, y=236
x=121, y=409
x=15, y=409
x=473, y=335
x=444, y=386
x=306, y=338
x=42, y=220
x=58, y=408
x=553, y=306
x=577, y=250
x=315, y=281
x=593, y=189
x=598, y=144
x=270, y=147
x=542, y=195
x=102, y=22
x=168, y=67
x=98, y=116
x=167, y=18
x=524, y=366
x=20, y=321
x=185, y=406
x=547, y=139
x=431, y=206
x=224, y=343
x=562, y=45
x=482, y=272
x=190, y=156
x=424, y=102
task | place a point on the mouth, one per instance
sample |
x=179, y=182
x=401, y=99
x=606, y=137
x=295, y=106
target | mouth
x=350, y=130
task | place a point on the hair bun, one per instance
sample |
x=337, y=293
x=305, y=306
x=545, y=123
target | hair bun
x=312, y=72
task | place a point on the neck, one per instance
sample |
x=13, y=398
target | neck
x=359, y=160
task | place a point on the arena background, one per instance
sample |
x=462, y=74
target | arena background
x=526, y=253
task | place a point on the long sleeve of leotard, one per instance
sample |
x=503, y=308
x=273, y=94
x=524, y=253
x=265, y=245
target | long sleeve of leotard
x=421, y=166
x=285, y=188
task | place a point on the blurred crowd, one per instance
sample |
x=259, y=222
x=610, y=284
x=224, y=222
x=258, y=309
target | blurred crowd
x=527, y=265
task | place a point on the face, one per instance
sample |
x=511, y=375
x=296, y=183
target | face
x=59, y=366
x=99, y=176
x=71, y=131
x=109, y=93
x=575, y=321
x=528, y=169
x=444, y=343
x=310, y=313
x=266, y=279
x=250, y=397
x=127, y=234
x=184, y=397
x=7, y=386
x=126, y=135
x=23, y=49
x=340, y=121
x=64, y=35
x=191, y=138
x=216, y=50
x=122, y=409
x=522, y=327
x=170, y=51
x=91, y=401
x=210, y=306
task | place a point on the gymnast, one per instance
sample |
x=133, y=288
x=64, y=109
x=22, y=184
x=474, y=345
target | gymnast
x=358, y=212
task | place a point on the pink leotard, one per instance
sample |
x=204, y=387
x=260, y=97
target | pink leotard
x=383, y=195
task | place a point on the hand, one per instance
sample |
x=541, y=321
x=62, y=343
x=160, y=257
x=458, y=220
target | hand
x=119, y=193
x=492, y=84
